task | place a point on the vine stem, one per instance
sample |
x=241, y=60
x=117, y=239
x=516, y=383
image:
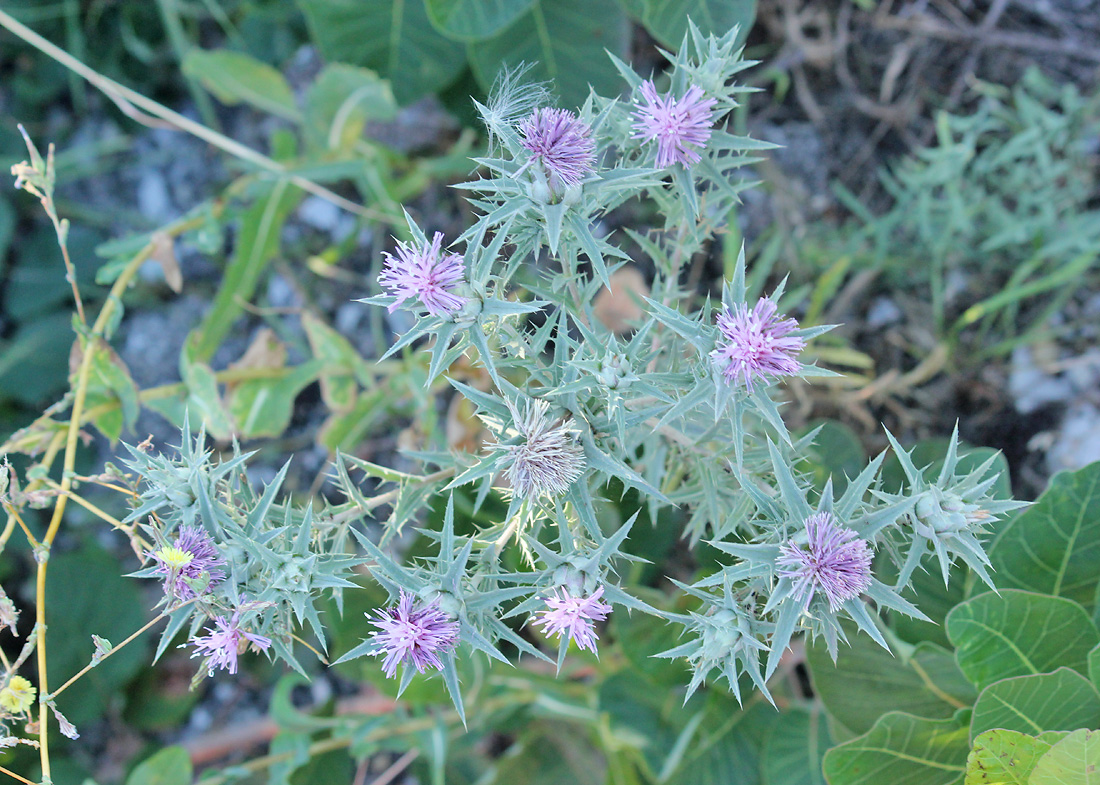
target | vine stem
x=15, y=776
x=68, y=464
x=109, y=652
x=148, y=112
x=336, y=743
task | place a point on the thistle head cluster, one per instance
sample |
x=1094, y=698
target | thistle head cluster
x=677, y=409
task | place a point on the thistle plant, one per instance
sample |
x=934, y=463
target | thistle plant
x=683, y=410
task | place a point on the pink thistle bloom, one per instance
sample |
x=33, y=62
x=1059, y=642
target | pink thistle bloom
x=193, y=554
x=226, y=642
x=562, y=142
x=425, y=273
x=413, y=634
x=756, y=344
x=574, y=616
x=836, y=562
x=678, y=125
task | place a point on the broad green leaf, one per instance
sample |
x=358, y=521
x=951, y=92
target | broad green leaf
x=76, y=585
x=795, y=749
x=201, y=397
x=1094, y=667
x=341, y=101
x=667, y=20
x=340, y=364
x=170, y=766
x=901, y=750
x=564, y=40
x=1017, y=633
x=551, y=753
x=927, y=591
x=393, y=37
x=867, y=681
x=725, y=748
x=110, y=386
x=646, y=719
x=1075, y=760
x=263, y=407
x=345, y=431
x=836, y=453
x=1063, y=700
x=1003, y=757
x=257, y=244
x=235, y=77
x=641, y=636
x=1053, y=547
x=474, y=20
x=7, y=227
x=32, y=362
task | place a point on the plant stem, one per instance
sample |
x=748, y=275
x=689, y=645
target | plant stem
x=108, y=653
x=328, y=745
x=147, y=112
x=68, y=463
x=13, y=775
x=87, y=505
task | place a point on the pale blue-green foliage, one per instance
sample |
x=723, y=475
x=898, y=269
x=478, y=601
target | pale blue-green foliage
x=280, y=561
x=648, y=410
x=947, y=517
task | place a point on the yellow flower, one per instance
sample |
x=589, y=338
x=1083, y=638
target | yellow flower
x=173, y=557
x=18, y=696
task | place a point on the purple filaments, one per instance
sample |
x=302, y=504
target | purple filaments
x=756, y=344
x=835, y=562
x=679, y=126
x=224, y=644
x=193, y=554
x=574, y=616
x=425, y=273
x=561, y=142
x=414, y=634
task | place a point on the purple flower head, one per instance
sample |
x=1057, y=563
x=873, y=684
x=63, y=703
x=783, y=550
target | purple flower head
x=756, y=344
x=548, y=460
x=678, y=125
x=835, y=562
x=562, y=142
x=226, y=642
x=414, y=634
x=193, y=554
x=574, y=616
x=426, y=273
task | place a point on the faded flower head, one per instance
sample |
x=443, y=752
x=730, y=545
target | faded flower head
x=414, y=634
x=18, y=696
x=574, y=616
x=835, y=562
x=9, y=614
x=562, y=142
x=548, y=460
x=425, y=273
x=679, y=126
x=193, y=554
x=756, y=344
x=225, y=643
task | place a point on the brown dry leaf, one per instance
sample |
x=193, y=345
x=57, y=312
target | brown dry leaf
x=620, y=307
x=164, y=254
x=265, y=351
